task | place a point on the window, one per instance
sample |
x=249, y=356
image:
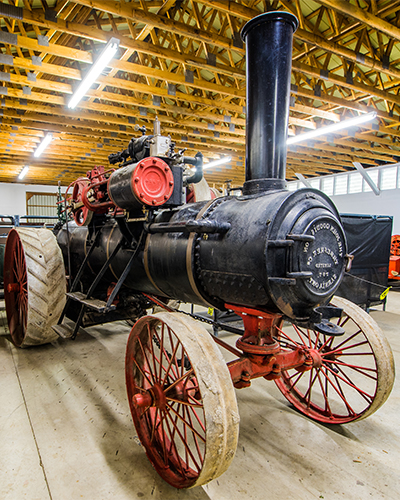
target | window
x=355, y=183
x=327, y=185
x=41, y=204
x=340, y=184
x=314, y=183
x=388, y=178
x=385, y=177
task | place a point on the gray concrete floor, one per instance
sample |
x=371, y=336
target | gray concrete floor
x=66, y=432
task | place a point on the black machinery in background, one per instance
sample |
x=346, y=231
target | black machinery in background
x=274, y=257
x=369, y=239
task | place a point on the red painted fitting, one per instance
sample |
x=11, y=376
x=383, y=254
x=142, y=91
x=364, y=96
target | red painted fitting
x=152, y=181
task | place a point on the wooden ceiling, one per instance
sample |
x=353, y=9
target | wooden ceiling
x=183, y=61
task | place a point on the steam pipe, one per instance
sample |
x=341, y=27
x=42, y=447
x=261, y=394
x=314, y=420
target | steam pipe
x=268, y=40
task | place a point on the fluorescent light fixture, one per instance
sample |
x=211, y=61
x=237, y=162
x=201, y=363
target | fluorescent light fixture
x=215, y=163
x=23, y=172
x=95, y=71
x=329, y=129
x=43, y=145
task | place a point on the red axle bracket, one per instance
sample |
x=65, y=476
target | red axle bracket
x=262, y=354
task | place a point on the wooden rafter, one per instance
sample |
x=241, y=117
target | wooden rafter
x=184, y=62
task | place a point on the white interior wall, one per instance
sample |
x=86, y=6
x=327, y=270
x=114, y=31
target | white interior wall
x=387, y=203
x=352, y=195
x=13, y=201
x=13, y=196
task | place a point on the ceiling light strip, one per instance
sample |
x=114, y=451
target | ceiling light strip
x=335, y=127
x=43, y=145
x=95, y=71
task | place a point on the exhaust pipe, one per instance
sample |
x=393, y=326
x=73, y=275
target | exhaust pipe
x=268, y=40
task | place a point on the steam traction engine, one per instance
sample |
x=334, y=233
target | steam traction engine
x=272, y=256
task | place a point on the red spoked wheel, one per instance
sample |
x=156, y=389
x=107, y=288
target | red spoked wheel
x=34, y=285
x=16, y=287
x=355, y=376
x=82, y=215
x=182, y=399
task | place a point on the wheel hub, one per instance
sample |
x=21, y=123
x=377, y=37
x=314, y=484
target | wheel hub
x=157, y=395
x=14, y=288
x=331, y=354
x=313, y=360
x=316, y=358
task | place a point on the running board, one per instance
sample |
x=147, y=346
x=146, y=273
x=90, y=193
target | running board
x=63, y=331
x=96, y=304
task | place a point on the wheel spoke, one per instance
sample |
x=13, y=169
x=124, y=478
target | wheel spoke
x=345, y=320
x=341, y=349
x=302, y=335
x=180, y=379
x=145, y=377
x=300, y=375
x=153, y=380
x=170, y=367
x=351, y=384
x=187, y=424
x=161, y=351
x=151, y=348
x=327, y=406
x=359, y=369
x=184, y=442
x=185, y=403
x=345, y=341
x=195, y=434
x=295, y=344
x=339, y=392
x=307, y=395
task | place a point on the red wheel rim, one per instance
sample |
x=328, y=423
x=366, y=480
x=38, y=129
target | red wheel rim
x=344, y=387
x=16, y=287
x=82, y=213
x=165, y=402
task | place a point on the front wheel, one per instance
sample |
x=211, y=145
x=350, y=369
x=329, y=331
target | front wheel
x=182, y=399
x=356, y=375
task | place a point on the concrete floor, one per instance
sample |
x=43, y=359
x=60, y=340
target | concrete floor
x=66, y=433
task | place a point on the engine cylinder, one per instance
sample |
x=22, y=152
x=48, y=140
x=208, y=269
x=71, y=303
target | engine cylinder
x=149, y=182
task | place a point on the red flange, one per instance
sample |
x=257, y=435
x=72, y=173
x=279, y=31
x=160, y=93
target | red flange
x=152, y=181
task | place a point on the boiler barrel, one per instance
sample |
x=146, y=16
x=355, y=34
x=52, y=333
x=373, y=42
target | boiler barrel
x=284, y=251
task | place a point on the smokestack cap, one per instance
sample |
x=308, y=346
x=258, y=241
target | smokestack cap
x=269, y=17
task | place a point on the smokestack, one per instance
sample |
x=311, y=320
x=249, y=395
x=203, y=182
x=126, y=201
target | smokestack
x=268, y=40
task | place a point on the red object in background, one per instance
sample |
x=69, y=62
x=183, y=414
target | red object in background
x=394, y=262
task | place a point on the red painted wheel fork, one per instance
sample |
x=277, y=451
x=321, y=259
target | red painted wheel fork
x=262, y=354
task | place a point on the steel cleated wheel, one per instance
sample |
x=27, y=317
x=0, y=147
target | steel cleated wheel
x=354, y=372
x=34, y=285
x=182, y=399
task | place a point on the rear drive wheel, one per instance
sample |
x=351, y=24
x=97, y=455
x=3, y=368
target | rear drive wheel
x=34, y=285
